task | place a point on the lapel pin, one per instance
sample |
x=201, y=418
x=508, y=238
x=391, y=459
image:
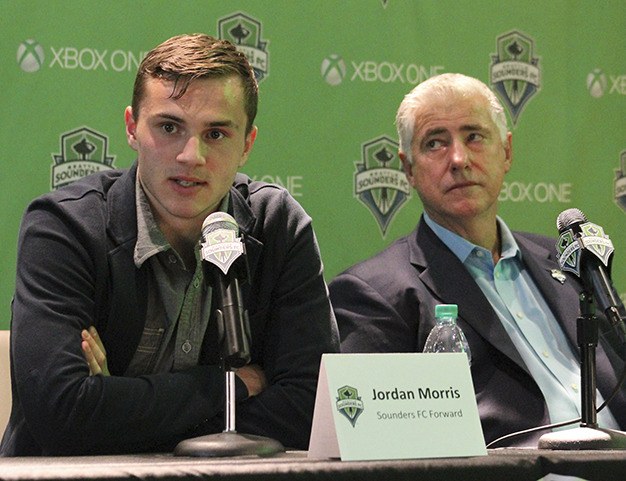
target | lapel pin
x=558, y=275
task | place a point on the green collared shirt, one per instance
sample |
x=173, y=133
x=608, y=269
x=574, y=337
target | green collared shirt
x=179, y=301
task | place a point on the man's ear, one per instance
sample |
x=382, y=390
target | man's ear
x=131, y=127
x=408, y=168
x=249, y=142
x=508, y=151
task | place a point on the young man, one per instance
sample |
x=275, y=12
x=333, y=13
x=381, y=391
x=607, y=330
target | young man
x=518, y=311
x=113, y=260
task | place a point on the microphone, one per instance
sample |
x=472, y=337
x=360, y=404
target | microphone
x=225, y=266
x=585, y=250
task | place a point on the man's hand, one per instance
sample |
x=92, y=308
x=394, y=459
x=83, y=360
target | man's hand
x=253, y=377
x=94, y=352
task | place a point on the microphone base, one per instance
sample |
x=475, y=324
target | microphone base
x=228, y=443
x=583, y=438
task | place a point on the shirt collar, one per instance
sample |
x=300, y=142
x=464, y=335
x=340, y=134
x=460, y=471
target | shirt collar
x=150, y=239
x=462, y=248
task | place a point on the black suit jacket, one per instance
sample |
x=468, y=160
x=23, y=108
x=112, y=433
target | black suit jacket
x=76, y=269
x=387, y=304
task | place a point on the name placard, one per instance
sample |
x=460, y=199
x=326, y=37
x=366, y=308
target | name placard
x=395, y=406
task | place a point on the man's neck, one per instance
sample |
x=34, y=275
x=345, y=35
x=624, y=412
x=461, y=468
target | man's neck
x=184, y=238
x=481, y=231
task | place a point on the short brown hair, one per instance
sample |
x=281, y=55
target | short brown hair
x=184, y=58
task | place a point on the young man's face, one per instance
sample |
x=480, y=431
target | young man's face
x=189, y=149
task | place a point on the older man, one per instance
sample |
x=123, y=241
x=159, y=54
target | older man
x=517, y=310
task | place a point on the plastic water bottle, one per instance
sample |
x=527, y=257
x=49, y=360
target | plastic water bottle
x=447, y=336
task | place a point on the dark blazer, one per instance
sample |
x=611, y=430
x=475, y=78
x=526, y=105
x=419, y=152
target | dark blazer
x=387, y=304
x=75, y=268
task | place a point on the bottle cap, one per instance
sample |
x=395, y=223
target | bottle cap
x=446, y=310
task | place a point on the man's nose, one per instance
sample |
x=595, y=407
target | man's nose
x=193, y=151
x=459, y=156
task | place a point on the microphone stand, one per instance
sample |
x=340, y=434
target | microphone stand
x=232, y=323
x=229, y=442
x=589, y=435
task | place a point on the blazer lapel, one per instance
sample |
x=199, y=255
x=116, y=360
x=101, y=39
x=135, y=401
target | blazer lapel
x=127, y=306
x=446, y=276
x=560, y=289
x=241, y=211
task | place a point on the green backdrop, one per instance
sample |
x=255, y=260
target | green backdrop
x=332, y=76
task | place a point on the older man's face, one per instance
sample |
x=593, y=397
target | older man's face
x=459, y=159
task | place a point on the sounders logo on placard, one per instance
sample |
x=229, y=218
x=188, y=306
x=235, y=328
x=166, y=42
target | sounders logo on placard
x=83, y=151
x=379, y=181
x=514, y=72
x=620, y=182
x=30, y=55
x=349, y=403
x=245, y=32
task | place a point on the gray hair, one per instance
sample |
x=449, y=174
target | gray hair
x=442, y=85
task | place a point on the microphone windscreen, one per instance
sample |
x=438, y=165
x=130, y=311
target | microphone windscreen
x=569, y=217
x=219, y=220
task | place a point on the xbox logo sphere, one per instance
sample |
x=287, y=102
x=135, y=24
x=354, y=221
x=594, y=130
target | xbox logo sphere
x=596, y=83
x=333, y=69
x=30, y=56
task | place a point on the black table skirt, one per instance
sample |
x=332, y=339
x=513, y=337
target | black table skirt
x=499, y=464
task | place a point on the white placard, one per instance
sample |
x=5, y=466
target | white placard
x=395, y=406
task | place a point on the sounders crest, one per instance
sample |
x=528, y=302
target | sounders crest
x=83, y=151
x=349, y=403
x=379, y=181
x=514, y=72
x=591, y=239
x=221, y=247
x=245, y=33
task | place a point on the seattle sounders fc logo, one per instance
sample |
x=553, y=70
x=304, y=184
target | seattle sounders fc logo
x=349, y=403
x=515, y=74
x=222, y=247
x=591, y=238
x=83, y=151
x=245, y=32
x=379, y=181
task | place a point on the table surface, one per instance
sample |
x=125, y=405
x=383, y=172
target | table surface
x=499, y=464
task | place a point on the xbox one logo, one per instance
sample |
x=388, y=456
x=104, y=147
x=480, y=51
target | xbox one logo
x=596, y=83
x=30, y=55
x=333, y=69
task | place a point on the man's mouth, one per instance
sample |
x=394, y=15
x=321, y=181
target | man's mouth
x=187, y=182
x=462, y=185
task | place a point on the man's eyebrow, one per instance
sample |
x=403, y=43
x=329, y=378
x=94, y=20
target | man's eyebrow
x=472, y=127
x=215, y=123
x=434, y=131
x=463, y=128
x=172, y=117
x=222, y=123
